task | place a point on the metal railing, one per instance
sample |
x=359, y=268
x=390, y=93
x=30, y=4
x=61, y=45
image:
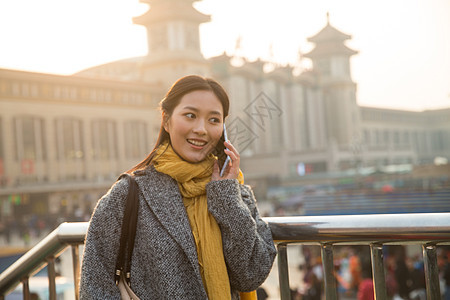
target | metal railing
x=44, y=254
x=429, y=230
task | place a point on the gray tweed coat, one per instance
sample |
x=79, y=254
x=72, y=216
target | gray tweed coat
x=164, y=262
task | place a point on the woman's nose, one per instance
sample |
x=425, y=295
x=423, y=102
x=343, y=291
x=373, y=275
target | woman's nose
x=200, y=127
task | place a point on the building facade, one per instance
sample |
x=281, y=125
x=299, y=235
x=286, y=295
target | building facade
x=65, y=139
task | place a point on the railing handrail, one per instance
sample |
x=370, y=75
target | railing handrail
x=36, y=258
x=420, y=228
x=417, y=228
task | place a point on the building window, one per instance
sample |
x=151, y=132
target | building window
x=415, y=140
x=25, y=89
x=386, y=137
x=30, y=140
x=437, y=141
x=15, y=89
x=65, y=92
x=136, y=139
x=396, y=138
x=406, y=139
x=73, y=93
x=104, y=139
x=367, y=140
x=69, y=139
x=377, y=137
x=34, y=90
x=57, y=92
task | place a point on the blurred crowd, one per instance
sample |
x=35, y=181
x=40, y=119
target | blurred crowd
x=404, y=275
x=33, y=226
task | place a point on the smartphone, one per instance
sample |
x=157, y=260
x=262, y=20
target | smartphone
x=227, y=160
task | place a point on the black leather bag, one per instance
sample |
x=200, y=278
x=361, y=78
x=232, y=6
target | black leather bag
x=127, y=237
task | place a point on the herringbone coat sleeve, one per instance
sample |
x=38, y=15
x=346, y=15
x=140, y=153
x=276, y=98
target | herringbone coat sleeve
x=102, y=244
x=248, y=246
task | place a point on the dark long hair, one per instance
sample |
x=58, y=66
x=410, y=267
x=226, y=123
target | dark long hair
x=173, y=97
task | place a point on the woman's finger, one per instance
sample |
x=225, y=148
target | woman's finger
x=232, y=155
x=230, y=147
x=232, y=170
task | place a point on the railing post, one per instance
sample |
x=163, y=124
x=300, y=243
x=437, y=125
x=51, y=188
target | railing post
x=328, y=268
x=51, y=278
x=283, y=272
x=431, y=272
x=26, y=288
x=379, y=282
x=76, y=269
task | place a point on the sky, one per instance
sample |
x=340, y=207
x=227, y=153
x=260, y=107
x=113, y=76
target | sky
x=404, y=46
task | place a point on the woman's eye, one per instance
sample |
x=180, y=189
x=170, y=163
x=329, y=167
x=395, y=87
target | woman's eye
x=190, y=115
x=215, y=120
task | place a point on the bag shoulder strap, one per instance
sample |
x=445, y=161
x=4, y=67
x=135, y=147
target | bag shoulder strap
x=128, y=231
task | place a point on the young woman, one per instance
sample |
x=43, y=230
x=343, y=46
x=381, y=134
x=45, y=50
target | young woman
x=199, y=235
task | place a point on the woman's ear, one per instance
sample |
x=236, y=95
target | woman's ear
x=165, y=121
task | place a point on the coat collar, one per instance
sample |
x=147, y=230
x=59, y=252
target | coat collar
x=163, y=197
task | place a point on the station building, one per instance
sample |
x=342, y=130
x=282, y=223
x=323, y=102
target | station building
x=65, y=139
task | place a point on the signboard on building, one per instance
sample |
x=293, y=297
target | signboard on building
x=27, y=166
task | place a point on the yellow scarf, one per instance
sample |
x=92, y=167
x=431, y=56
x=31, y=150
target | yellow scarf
x=192, y=180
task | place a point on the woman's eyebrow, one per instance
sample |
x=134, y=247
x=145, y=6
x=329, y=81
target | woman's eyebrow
x=213, y=112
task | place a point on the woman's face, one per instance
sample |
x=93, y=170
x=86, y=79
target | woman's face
x=196, y=125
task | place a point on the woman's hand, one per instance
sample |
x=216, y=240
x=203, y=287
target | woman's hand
x=232, y=170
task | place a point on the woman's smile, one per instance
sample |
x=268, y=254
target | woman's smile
x=197, y=143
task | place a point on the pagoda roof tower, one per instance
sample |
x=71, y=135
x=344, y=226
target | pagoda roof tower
x=167, y=10
x=329, y=41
